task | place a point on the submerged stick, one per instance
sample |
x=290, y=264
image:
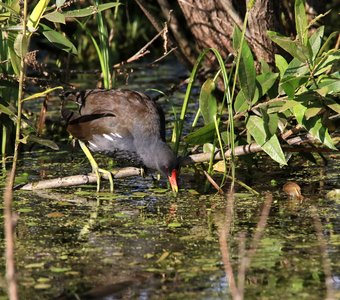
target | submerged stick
x=132, y=171
x=77, y=179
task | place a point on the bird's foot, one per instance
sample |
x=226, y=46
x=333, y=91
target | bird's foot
x=95, y=169
x=108, y=174
x=142, y=172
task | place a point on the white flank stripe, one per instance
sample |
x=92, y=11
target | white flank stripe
x=116, y=135
x=108, y=137
x=93, y=145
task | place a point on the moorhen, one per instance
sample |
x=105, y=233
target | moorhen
x=121, y=123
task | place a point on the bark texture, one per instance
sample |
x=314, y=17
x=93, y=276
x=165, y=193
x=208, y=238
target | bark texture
x=195, y=25
x=211, y=22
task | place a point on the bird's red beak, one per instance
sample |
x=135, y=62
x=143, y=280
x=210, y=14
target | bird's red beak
x=173, y=181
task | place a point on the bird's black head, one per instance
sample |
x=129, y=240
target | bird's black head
x=157, y=155
x=169, y=166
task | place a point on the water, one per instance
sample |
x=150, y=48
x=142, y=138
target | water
x=143, y=243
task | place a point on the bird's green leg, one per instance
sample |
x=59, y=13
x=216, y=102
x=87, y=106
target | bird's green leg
x=95, y=167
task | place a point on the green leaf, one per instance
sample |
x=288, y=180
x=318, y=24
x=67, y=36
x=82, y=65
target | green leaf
x=332, y=105
x=42, y=94
x=317, y=130
x=241, y=104
x=266, y=81
x=220, y=167
x=271, y=122
x=208, y=148
x=43, y=142
x=37, y=13
x=9, y=8
x=246, y=72
x=275, y=107
x=296, y=68
x=301, y=21
x=329, y=86
x=255, y=126
x=289, y=104
x=58, y=40
x=309, y=98
x=91, y=10
x=55, y=17
x=315, y=40
x=327, y=62
x=313, y=124
x=298, y=111
x=15, y=61
x=21, y=45
x=294, y=77
x=273, y=148
x=256, y=94
x=264, y=67
x=225, y=137
x=4, y=109
x=291, y=83
x=59, y=3
x=312, y=111
x=207, y=101
x=294, y=48
x=281, y=64
x=328, y=41
x=202, y=135
x=4, y=16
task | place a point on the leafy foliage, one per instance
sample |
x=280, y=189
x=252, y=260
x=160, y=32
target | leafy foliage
x=301, y=95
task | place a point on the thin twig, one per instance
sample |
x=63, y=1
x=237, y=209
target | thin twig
x=141, y=52
x=164, y=55
x=213, y=182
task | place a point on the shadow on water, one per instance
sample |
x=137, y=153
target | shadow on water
x=143, y=243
